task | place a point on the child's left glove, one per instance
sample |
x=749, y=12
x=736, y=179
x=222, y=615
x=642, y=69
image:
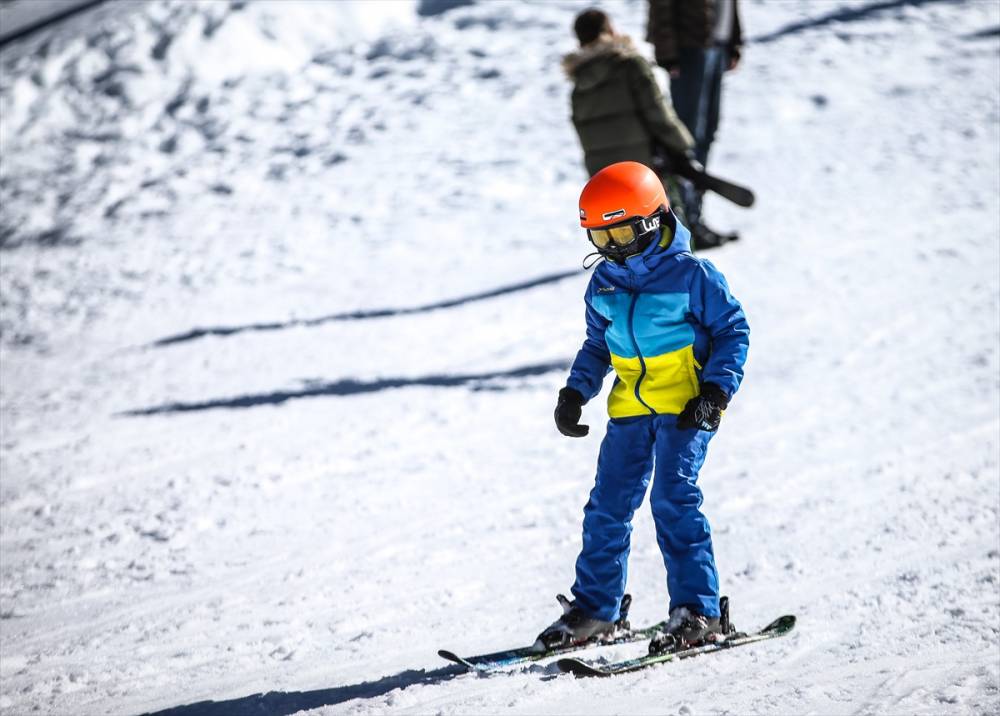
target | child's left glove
x=704, y=411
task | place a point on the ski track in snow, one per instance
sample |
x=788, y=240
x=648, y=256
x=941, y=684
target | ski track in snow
x=183, y=166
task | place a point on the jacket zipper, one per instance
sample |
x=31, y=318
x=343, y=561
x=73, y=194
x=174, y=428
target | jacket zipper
x=635, y=344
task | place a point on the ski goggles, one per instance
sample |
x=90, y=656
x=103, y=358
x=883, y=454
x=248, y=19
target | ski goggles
x=625, y=234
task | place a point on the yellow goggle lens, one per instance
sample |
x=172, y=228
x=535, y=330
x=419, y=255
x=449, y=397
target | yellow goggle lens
x=621, y=235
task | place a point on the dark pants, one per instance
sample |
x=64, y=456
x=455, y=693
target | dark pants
x=697, y=98
x=631, y=448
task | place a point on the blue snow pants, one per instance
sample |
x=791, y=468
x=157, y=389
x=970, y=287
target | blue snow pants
x=624, y=469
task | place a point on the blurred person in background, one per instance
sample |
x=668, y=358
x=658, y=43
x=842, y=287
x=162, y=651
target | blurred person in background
x=618, y=109
x=696, y=42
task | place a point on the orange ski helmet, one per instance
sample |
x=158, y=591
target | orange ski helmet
x=626, y=190
x=621, y=207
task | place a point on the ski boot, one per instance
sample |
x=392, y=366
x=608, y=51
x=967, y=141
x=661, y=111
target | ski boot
x=687, y=628
x=575, y=627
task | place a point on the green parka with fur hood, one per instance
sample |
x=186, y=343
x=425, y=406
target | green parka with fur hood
x=618, y=109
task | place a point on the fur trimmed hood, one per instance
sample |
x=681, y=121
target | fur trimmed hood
x=605, y=45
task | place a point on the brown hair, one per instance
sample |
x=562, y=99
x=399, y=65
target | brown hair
x=589, y=25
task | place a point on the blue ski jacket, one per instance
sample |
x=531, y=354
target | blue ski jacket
x=666, y=322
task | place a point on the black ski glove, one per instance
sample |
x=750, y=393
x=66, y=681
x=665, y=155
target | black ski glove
x=669, y=64
x=704, y=412
x=568, y=412
x=684, y=165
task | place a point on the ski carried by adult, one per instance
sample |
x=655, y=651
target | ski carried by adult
x=687, y=167
x=778, y=628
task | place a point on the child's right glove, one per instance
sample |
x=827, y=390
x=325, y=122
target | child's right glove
x=568, y=412
x=704, y=411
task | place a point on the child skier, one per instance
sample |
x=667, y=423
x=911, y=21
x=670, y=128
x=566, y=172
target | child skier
x=677, y=339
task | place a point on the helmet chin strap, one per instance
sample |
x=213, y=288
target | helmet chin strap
x=598, y=254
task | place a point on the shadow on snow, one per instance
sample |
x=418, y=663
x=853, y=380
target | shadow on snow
x=281, y=703
x=197, y=333
x=350, y=386
x=842, y=15
x=983, y=34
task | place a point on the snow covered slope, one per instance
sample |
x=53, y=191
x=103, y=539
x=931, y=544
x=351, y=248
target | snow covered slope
x=268, y=441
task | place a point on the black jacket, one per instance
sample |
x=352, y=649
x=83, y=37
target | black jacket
x=676, y=24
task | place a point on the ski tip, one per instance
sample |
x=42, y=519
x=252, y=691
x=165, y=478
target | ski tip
x=579, y=668
x=455, y=658
x=781, y=625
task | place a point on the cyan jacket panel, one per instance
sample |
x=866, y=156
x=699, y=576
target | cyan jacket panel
x=665, y=321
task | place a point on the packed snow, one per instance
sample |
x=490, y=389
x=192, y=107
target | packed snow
x=288, y=290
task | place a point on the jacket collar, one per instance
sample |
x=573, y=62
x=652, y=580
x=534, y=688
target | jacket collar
x=655, y=254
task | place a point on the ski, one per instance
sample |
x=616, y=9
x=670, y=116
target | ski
x=686, y=167
x=736, y=193
x=779, y=627
x=525, y=654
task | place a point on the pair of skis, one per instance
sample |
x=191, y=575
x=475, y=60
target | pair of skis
x=736, y=193
x=526, y=654
x=511, y=657
x=690, y=169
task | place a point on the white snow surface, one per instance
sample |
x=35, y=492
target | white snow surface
x=294, y=514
